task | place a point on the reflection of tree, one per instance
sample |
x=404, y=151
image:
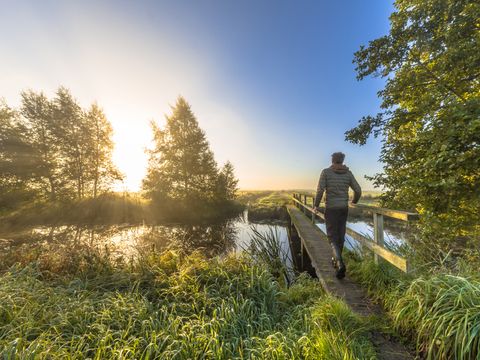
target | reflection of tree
x=210, y=239
x=81, y=243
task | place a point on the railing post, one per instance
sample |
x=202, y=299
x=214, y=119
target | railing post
x=378, y=232
x=302, y=251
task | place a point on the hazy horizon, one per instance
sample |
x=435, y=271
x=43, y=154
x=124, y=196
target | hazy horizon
x=272, y=84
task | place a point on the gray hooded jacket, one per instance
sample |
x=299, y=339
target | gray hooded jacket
x=336, y=180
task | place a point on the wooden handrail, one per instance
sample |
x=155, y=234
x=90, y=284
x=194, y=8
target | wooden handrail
x=376, y=246
x=396, y=214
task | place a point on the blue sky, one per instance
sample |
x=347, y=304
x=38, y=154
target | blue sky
x=271, y=82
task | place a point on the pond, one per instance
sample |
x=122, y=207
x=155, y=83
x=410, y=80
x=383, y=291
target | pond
x=128, y=241
x=397, y=234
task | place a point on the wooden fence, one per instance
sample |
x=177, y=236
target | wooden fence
x=305, y=203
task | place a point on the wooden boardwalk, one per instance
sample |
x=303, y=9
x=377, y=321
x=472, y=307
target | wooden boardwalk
x=315, y=243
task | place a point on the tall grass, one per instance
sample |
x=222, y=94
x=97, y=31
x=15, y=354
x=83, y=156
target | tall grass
x=438, y=310
x=169, y=306
x=338, y=333
x=266, y=248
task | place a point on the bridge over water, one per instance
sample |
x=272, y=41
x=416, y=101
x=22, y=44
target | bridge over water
x=312, y=253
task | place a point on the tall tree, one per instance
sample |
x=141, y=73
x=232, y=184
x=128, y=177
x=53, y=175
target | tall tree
x=70, y=148
x=37, y=112
x=75, y=139
x=430, y=123
x=181, y=165
x=101, y=169
x=17, y=159
x=227, y=183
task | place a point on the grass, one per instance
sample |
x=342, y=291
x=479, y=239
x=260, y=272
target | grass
x=338, y=333
x=265, y=204
x=266, y=249
x=110, y=208
x=269, y=198
x=439, y=310
x=169, y=306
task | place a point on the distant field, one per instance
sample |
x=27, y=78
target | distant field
x=273, y=198
x=264, y=198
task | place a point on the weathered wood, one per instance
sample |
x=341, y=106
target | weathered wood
x=315, y=244
x=394, y=259
x=378, y=233
x=376, y=247
x=396, y=214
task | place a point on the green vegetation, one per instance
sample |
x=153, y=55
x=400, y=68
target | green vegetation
x=170, y=306
x=265, y=248
x=438, y=310
x=430, y=130
x=265, y=198
x=56, y=167
x=430, y=122
x=54, y=150
x=183, y=180
x=270, y=204
x=108, y=208
x=56, y=163
x=265, y=204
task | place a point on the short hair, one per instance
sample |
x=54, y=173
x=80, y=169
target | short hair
x=338, y=157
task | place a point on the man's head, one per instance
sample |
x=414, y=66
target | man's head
x=338, y=157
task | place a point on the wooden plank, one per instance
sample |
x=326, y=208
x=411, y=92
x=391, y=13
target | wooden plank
x=318, y=249
x=396, y=260
x=378, y=233
x=396, y=214
x=316, y=245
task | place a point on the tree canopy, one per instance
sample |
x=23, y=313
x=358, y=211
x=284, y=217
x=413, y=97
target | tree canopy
x=430, y=119
x=182, y=169
x=54, y=149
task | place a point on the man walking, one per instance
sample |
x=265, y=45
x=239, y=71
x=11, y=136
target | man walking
x=336, y=180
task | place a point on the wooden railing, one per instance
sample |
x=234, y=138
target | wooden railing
x=305, y=203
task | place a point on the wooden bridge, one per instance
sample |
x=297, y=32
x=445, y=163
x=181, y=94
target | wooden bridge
x=312, y=250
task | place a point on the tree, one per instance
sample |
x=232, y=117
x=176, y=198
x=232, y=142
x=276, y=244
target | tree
x=37, y=113
x=74, y=135
x=227, y=183
x=55, y=148
x=430, y=119
x=181, y=165
x=101, y=170
x=17, y=159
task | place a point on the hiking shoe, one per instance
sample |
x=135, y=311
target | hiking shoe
x=341, y=271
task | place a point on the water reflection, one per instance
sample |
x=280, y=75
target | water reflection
x=128, y=241
x=397, y=234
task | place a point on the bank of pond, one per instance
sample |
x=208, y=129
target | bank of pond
x=177, y=291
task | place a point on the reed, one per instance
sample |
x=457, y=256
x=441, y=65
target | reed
x=266, y=248
x=167, y=305
x=438, y=310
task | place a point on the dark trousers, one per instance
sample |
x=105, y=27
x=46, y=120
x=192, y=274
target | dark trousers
x=336, y=221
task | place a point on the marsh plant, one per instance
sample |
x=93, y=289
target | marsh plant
x=439, y=310
x=266, y=248
x=168, y=305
